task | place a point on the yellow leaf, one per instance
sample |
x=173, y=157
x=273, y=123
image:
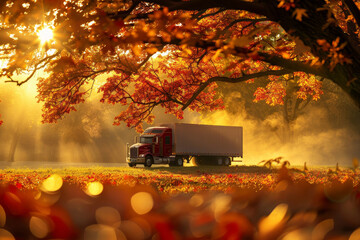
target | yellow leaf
x=285, y=55
x=281, y=3
x=321, y=41
x=299, y=13
x=136, y=50
x=151, y=33
x=185, y=48
x=151, y=50
x=217, y=53
x=206, y=58
x=179, y=35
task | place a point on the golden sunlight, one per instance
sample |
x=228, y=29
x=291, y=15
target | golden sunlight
x=45, y=34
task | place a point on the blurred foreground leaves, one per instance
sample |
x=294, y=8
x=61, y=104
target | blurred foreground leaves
x=279, y=204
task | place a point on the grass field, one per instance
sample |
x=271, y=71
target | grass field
x=237, y=202
x=174, y=179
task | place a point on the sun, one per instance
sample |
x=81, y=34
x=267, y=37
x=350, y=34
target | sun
x=45, y=34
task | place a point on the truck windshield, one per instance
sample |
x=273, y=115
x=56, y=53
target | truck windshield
x=152, y=130
x=146, y=140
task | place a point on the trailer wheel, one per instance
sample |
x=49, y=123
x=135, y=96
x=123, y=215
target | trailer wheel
x=148, y=161
x=179, y=162
x=132, y=164
x=227, y=161
x=219, y=161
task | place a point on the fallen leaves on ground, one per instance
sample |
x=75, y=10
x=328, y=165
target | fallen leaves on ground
x=158, y=204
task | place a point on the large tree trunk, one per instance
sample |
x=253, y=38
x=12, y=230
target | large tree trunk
x=312, y=28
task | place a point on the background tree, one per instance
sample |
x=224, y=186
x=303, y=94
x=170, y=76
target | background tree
x=337, y=111
x=172, y=53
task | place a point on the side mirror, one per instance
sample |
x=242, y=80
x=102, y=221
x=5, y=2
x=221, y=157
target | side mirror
x=136, y=139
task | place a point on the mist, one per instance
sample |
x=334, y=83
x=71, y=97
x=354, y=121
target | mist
x=326, y=147
x=86, y=135
x=326, y=132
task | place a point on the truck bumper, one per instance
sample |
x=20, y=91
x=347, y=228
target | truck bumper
x=136, y=160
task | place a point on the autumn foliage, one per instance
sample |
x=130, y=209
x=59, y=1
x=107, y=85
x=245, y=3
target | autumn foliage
x=171, y=54
x=245, y=203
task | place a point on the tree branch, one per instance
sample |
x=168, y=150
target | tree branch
x=197, y=5
x=124, y=14
x=255, y=20
x=210, y=14
x=354, y=10
x=45, y=60
x=234, y=80
x=296, y=66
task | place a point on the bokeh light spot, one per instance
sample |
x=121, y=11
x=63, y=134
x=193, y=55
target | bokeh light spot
x=39, y=227
x=130, y=228
x=322, y=229
x=278, y=213
x=99, y=232
x=6, y=235
x=107, y=215
x=13, y=203
x=52, y=183
x=2, y=217
x=299, y=234
x=355, y=235
x=274, y=219
x=94, y=188
x=142, y=202
x=196, y=201
x=220, y=205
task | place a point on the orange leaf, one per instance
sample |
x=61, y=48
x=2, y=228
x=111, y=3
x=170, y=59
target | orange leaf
x=299, y=13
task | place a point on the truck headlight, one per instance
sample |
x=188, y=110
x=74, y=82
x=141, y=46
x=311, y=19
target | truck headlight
x=141, y=155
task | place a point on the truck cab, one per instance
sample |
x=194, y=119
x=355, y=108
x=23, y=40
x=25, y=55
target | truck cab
x=154, y=146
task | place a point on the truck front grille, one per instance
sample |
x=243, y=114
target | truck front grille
x=133, y=152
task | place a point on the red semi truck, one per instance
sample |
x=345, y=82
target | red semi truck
x=178, y=142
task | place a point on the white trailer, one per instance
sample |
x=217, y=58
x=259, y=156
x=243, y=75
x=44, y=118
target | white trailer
x=207, y=143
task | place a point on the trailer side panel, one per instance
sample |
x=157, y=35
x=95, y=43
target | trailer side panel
x=207, y=140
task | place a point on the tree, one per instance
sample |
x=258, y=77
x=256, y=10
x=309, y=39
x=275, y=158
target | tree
x=238, y=99
x=172, y=53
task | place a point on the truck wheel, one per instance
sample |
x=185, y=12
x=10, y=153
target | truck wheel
x=179, y=162
x=219, y=161
x=148, y=161
x=227, y=161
